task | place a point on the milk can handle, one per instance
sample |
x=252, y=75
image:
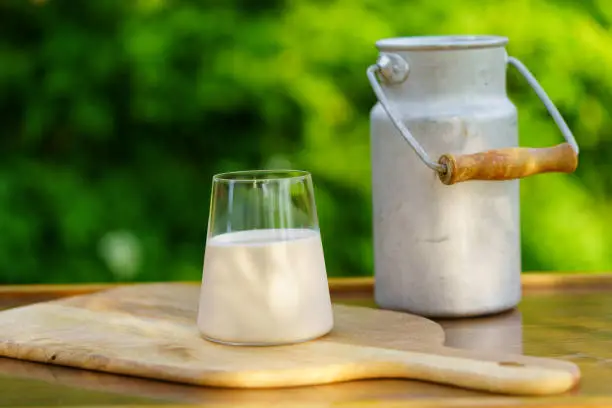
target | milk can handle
x=497, y=164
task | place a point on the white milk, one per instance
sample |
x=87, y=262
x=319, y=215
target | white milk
x=265, y=286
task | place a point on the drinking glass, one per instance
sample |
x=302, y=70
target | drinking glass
x=264, y=280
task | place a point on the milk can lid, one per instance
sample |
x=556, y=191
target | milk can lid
x=441, y=42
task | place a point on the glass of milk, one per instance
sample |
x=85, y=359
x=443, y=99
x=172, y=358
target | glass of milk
x=264, y=280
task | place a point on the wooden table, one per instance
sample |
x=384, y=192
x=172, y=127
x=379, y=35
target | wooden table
x=563, y=316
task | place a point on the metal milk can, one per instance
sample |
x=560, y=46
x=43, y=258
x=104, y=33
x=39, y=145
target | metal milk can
x=445, y=175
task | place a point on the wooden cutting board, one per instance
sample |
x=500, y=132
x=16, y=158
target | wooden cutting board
x=148, y=330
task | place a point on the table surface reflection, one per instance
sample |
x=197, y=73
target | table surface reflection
x=567, y=316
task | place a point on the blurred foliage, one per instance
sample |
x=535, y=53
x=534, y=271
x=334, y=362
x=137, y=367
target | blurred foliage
x=116, y=114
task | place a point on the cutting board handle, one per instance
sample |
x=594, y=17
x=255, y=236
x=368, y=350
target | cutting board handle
x=517, y=375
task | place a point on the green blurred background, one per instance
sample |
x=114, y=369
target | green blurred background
x=114, y=115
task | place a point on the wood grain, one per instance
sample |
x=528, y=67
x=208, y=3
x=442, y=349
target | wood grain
x=347, y=287
x=508, y=164
x=562, y=315
x=149, y=331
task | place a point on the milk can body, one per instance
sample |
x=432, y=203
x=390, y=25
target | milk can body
x=447, y=241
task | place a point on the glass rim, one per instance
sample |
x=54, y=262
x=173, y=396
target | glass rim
x=249, y=176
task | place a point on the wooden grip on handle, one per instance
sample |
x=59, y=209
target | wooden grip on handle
x=507, y=164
